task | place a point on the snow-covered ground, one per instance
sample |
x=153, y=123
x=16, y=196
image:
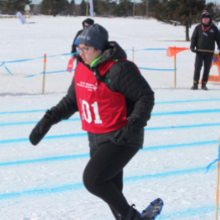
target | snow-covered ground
x=44, y=182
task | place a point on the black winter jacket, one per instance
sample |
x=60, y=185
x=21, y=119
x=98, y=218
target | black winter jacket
x=74, y=45
x=123, y=77
x=205, y=40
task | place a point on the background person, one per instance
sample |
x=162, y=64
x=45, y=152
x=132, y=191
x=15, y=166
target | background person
x=204, y=37
x=85, y=24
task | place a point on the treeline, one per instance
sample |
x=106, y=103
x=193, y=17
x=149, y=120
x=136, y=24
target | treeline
x=65, y=7
x=121, y=7
x=176, y=12
x=11, y=6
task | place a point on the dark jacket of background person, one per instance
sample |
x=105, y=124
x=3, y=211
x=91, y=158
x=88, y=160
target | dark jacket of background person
x=123, y=77
x=88, y=21
x=205, y=42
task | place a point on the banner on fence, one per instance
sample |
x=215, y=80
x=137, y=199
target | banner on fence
x=70, y=65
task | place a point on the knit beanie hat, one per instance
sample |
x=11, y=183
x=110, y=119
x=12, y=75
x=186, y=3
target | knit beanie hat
x=205, y=14
x=89, y=21
x=95, y=36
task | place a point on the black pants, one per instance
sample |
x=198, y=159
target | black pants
x=207, y=58
x=103, y=175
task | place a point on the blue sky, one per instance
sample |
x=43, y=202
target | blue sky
x=217, y=1
x=78, y=1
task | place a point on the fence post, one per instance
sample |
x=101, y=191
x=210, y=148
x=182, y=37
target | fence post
x=45, y=60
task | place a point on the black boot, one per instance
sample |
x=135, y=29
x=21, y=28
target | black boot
x=132, y=215
x=204, y=86
x=195, y=85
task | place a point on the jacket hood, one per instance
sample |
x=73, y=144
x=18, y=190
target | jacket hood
x=113, y=51
x=88, y=21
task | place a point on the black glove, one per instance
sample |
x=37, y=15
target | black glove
x=42, y=127
x=193, y=50
x=127, y=133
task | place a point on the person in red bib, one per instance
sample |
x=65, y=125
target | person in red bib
x=114, y=102
x=203, y=38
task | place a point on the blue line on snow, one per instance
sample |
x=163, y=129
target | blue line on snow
x=43, y=160
x=33, y=122
x=152, y=69
x=80, y=185
x=45, y=138
x=153, y=128
x=184, y=101
x=167, y=113
x=181, y=126
x=85, y=134
x=164, y=147
x=167, y=174
x=41, y=191
x=81, y=156
x=157, y=103
x=186, y=112
x=18, y=112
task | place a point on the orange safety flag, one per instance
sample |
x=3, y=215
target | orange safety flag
x=215, y=61
x=171, y=51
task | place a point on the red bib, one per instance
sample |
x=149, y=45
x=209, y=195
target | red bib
x=101, y=110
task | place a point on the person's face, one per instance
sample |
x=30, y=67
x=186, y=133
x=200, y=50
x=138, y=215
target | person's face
x=86, y=25
x=205, y=20
x=88, y=53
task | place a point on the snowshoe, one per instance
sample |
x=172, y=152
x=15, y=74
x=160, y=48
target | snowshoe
x=153, y=210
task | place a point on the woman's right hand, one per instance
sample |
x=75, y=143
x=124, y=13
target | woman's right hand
x=40, y=130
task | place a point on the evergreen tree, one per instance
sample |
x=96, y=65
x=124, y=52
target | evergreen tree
x=16, y=5
x=53, y=7
x=100, y=7
x=83, y=8
x=111, y=5
x=2, y=4
x=46, y=7
x=152, y=4
x=72, y=8
x=141, y=8
x=185, y=12
x=124, y=8
x=95, y=8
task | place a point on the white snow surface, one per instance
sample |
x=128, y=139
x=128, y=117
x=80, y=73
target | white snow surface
x=171, y=165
